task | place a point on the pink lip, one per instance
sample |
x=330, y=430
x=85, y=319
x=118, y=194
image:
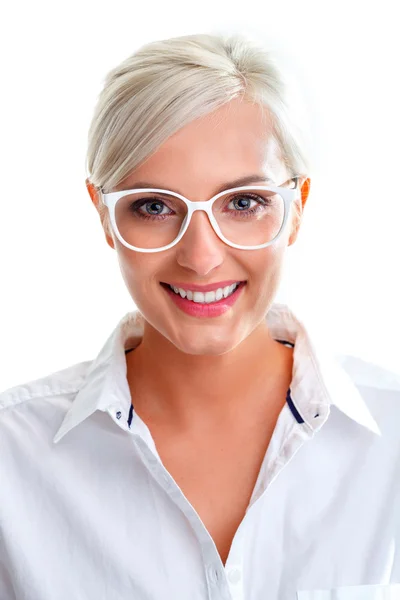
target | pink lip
x=202, y=288
x=213, y=309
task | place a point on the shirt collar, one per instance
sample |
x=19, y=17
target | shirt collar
x=318, y=379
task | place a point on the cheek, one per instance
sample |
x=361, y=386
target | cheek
x=135, y=270
x=265, y=272
x=264, y=263
x=140, y=272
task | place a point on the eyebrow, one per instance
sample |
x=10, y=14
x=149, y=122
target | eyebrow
x=226, y=186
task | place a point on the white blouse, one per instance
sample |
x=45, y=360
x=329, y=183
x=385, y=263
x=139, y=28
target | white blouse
x=89, y=512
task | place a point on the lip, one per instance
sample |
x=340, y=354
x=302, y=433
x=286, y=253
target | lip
x=203, y=288
x=212, y=309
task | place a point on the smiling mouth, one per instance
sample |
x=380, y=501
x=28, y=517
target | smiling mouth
x=205, y=297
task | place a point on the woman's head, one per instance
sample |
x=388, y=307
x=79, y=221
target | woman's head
x=194, y=115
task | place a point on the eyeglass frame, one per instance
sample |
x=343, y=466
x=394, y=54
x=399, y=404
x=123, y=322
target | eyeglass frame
x=110, y=200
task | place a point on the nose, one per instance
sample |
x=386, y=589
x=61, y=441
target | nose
x=200, y=249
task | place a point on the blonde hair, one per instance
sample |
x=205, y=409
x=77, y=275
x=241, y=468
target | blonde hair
x=167, y=84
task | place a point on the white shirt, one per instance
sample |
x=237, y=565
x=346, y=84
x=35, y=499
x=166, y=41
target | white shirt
x=89, y=512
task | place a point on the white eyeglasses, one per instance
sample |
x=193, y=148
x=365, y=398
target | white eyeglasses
x=153, y=220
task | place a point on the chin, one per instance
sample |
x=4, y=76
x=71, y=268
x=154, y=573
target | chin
x=200, y=344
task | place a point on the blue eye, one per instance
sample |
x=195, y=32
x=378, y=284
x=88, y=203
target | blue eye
x=155, y=207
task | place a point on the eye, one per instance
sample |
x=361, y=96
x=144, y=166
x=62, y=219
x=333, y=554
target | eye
x=154, y=207
x=247, y=202
x=242, y=202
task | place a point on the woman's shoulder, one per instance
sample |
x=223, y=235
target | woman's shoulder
x=51, y=388
x=370, y=374
x=379, y=387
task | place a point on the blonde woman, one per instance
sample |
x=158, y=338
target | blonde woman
x=212, y=450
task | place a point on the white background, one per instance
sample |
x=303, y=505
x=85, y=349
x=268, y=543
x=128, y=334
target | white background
x=61, y=289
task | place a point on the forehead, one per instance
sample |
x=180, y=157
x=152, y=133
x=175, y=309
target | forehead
x=234, y=141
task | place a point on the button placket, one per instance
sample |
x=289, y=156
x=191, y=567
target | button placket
x=166, y=479
x=154, y=465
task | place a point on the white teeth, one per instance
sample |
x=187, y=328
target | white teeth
x=227, y=291
x=207, y=297
x=210, y=297
x=198, y=297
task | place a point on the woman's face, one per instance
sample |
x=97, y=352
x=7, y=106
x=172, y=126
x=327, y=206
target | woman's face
x=231, y=143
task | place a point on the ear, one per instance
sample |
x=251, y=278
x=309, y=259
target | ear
x=102, y=210
x=298, y=209
x=91, y=188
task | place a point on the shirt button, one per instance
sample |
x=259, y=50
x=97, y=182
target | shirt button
x=234, y=576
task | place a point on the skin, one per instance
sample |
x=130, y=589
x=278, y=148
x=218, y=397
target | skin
x=196, y=374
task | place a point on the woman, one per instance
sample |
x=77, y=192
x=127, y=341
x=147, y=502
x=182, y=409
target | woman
x=211, y=449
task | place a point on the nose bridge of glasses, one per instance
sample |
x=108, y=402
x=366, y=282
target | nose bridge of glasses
x=196, y=225
x=204, y=206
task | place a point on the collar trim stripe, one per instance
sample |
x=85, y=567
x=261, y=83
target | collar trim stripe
x=292, y=407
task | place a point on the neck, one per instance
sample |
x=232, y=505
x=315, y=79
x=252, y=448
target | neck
x=170, y=387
